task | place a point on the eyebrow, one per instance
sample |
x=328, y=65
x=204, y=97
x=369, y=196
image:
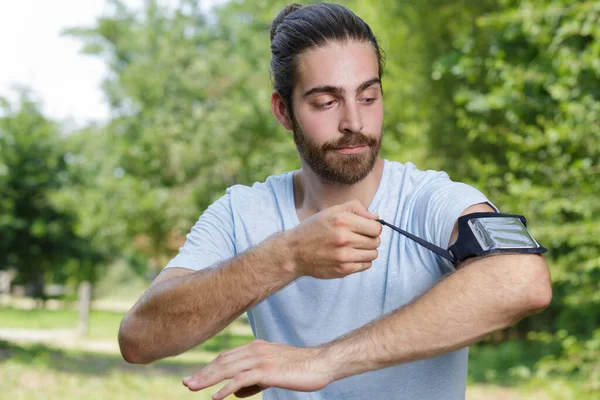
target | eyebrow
x=338, y=90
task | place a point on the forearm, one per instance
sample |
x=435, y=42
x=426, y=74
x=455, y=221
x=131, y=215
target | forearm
x=185, y=311
x=460, y=310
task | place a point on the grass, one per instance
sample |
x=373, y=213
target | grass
x=511, y=364
x=488, y=364
x=51, y=372
x=42, y=372
x=36, y=372
x=104, y=325
x=47, y=372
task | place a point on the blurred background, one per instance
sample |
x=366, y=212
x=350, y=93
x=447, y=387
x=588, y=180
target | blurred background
x=121, y=121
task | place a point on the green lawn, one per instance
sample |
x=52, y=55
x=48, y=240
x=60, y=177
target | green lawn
x=42, y=372
x=46, y=372
x=104, y=325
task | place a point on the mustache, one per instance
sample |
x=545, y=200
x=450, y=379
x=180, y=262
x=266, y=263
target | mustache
x=356, y=139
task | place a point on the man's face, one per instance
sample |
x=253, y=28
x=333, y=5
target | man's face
x=338, y=111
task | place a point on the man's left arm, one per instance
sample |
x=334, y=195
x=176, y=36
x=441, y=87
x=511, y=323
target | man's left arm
x=485, y=294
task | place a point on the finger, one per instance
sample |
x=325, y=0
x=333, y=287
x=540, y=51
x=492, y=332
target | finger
x=353, y=268
x=238, y=353
x=350, y=256
x=207, y=368
x=364, y=226
x=242, y=380
x=363, y=256
x=215, y=373
x=362, y=242
x=356, y=207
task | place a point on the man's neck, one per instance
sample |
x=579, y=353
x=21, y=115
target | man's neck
x=311, y=195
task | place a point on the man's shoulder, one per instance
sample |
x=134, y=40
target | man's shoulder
x=272, y=184
x=425, y=188
x=262, y=194
x=410, y=168
x=410, y=179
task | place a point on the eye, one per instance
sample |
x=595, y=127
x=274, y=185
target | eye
x=369, y=100
x=323, y=106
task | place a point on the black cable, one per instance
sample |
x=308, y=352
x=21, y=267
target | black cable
x=437, y=250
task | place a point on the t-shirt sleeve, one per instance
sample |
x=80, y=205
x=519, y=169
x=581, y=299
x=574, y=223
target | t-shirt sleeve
x=439, y=204
x=211, y=239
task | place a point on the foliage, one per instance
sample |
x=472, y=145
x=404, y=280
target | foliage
x=35, y=233
x=176, y=81
x=527, y=108
x=577, y=358
x=502, y=94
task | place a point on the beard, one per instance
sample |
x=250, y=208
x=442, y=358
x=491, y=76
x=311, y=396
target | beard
x=332, y=166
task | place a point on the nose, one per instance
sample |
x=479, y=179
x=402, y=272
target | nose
x=351, y=120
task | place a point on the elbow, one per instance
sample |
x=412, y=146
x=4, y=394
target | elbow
x=537, y=292
x=131, y=343
x=542, y=297
x=540, y=300
x=131, y=353
x=139, y=344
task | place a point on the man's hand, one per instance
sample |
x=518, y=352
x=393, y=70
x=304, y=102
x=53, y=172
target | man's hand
x=338, y=241
x=259, y=365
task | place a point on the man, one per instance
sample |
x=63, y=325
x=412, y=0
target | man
x=341, y=307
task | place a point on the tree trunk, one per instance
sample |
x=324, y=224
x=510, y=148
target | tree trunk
x=84, y=300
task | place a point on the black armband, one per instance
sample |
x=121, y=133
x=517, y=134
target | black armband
x=484, y=233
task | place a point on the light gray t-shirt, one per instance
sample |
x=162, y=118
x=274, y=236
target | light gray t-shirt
x=309, y=311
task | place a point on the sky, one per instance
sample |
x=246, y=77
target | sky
x=33, y=53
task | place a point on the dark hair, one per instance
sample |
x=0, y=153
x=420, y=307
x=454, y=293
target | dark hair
x=297, y=29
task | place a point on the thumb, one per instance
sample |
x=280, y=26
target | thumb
x=356, y=207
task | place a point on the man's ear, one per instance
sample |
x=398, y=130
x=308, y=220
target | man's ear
x=280, y=111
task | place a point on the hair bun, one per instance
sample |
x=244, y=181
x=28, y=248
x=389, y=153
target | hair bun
x=281, y=16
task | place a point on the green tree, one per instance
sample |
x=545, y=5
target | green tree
x=501, y=94
x=527, y=108
x=191, y=115
x=36, y=236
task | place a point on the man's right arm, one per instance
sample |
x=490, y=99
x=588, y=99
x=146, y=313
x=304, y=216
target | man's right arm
x=183, y=308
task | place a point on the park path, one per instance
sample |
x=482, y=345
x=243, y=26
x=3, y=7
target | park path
x=68, y=340
x=62, y=338
x=112, y=305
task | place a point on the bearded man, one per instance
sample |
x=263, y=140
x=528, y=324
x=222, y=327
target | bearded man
x=340, y=307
